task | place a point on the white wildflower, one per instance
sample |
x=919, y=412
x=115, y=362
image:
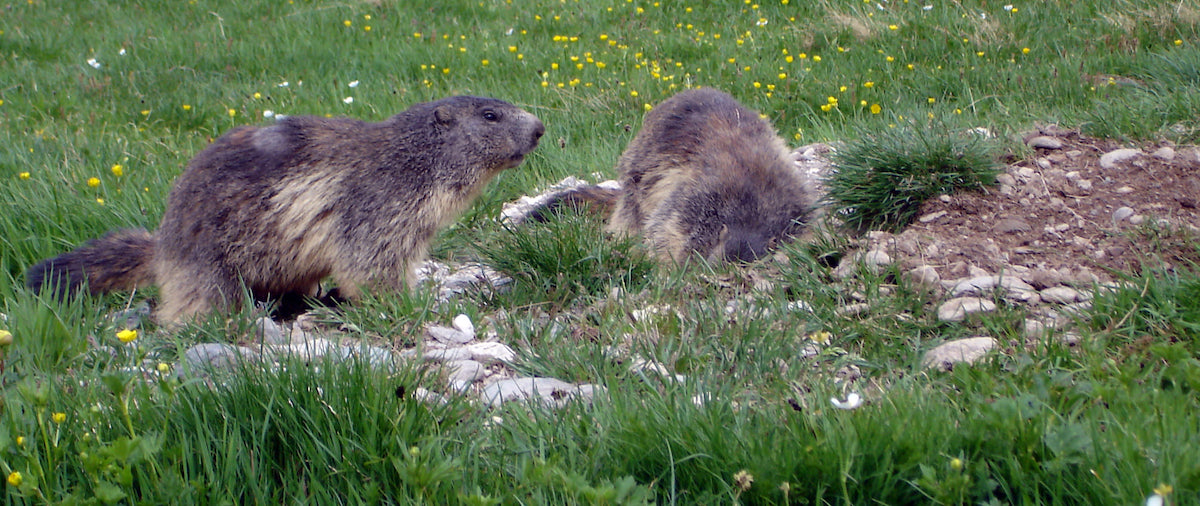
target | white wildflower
x=95, y=64
x=348, y=100
x=852, y=401
x=353, y=84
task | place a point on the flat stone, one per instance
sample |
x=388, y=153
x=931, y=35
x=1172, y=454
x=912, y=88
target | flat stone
x=269, y=332
x=1011, y=226
x=546, y=391
x=931, y=216
x=218, y=355
x=1064, y=295
x=925, y=276
x=447, y=335
x=968, y=351
x=1044, y=142
x=490, y=352
x=1122, y=213
x=1165, y=153
x=958, y=308
x=877, y=258
x=1110, y=159
x=310, y=350
x=1013, y=287
x=462, y=373
x=446, y=354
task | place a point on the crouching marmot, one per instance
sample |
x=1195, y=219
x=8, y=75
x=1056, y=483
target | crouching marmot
x=704, y=175
x=275, y=209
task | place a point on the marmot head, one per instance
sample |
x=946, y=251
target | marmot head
x=741, y=223
x=495, y=133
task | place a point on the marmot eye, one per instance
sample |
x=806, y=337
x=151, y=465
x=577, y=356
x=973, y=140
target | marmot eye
x=491, y=116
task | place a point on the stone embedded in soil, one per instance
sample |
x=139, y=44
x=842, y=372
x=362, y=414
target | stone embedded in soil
x=462, y=373
x=218, y=355
x=1122, y=213
x=490, y=352
x=269, y=332
x=1012, y=286
x=1011, y=226
x=1064, y=295
x=1165, y=153
x=1044, y=142
x=958, y=308
x=925, y=276
x=1110, y=159
x=954, y=352
x=549, y=392
x=447, y=335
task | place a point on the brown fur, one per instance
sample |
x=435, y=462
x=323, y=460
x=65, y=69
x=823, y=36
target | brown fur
x=278, y=208
x=705, y=176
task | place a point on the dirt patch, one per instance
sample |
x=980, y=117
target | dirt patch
x=1068, y=214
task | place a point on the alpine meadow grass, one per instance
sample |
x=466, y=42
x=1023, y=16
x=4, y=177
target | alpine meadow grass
x=718, y=380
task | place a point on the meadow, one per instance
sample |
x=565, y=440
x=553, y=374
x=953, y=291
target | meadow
x=103, y=103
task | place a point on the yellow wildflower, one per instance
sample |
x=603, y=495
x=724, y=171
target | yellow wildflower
x=118, y=170
x=23, y=175
x=127, y=335
x=876, y=109
x=6, y=338
x=58, y=417
x=1024, y=50
x=14, y=478
x=93, y=182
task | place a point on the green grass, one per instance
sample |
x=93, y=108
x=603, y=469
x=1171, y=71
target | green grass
x=1105, y=422
x=880, y=180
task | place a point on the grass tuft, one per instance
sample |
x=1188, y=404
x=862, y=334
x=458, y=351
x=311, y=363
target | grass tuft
x=882, y=178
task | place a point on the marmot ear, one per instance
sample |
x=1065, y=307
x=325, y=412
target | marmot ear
x=444, y=115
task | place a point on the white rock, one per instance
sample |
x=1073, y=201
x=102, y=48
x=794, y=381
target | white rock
x=462, y=373
x=1064, y=295
x=218, y=355
x=268, y=332
x=490, y=352
x=1012, y=286
x=1165, y=153
x=447, y=335
x=446, y=354
x=1121, y=213
x=963, y=350
x=1045, y=142
x=877, y=259
x=1110, y=159
x=957, y=309
x=925, y=276
x=310, y=350
x=548, y=391
x=926, y=218
x=463, y=323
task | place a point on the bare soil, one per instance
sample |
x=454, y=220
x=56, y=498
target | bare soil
x=1059, y=217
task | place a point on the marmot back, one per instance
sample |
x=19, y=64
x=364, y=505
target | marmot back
x=705, y=176
x=277, y=208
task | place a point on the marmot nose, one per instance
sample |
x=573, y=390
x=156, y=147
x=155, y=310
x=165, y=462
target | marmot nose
x=539, y=130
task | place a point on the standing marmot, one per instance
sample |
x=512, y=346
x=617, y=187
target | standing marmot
x=704, y=175
x=275, y=209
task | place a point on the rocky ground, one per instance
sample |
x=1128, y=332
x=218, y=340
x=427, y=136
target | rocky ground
x=1074, y=214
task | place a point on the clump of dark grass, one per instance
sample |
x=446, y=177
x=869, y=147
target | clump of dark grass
x=882, y=178
x=565, y=258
